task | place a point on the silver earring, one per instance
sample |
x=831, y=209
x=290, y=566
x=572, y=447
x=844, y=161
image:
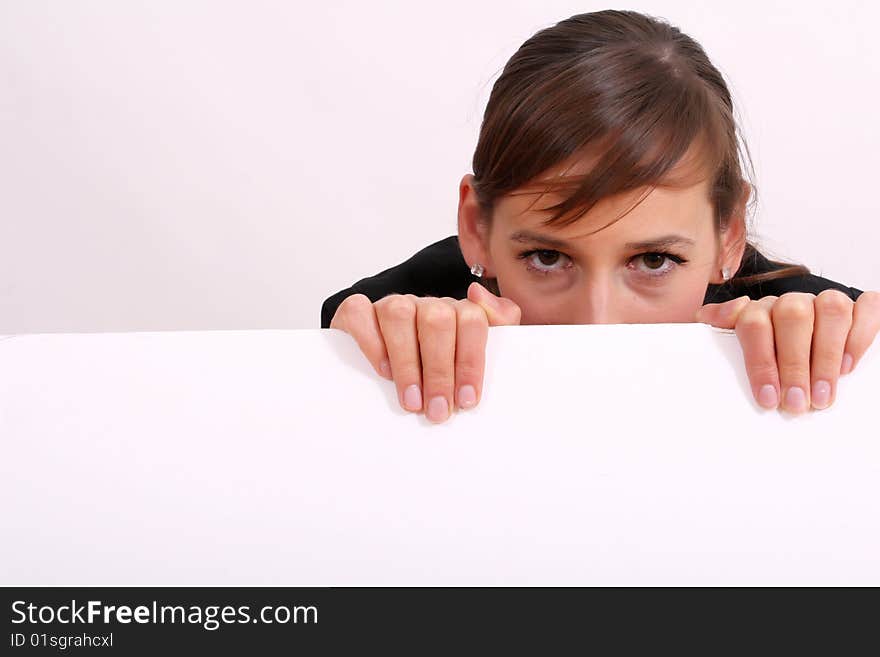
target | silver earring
x=477, y=269
x=725, y=273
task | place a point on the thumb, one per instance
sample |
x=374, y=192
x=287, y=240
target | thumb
x=499, y=310
x=722, y=315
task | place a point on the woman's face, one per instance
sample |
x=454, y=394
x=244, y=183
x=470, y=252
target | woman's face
x=651, y=266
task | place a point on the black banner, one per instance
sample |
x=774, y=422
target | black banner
x=248, y=620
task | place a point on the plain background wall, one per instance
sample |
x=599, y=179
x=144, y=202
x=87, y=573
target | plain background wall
x=228, y=165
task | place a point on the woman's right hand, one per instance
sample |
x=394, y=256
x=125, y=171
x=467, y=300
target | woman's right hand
x=433, y=348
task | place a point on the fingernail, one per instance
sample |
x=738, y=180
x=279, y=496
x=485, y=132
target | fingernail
x=467, y=396
x=412, y=398
x=847, y=364
x=795, y=400
x=438, y=409
x=767, y=396
x=821, y=395
x=385, y=369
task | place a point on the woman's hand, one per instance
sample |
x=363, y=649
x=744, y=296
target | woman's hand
x=797, y=345
x=429, y=346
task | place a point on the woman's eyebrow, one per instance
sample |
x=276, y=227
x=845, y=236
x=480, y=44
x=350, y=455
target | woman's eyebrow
x=659, y=243
x=530, y=237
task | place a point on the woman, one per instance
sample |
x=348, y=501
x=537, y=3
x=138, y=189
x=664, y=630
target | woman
x=607, y=188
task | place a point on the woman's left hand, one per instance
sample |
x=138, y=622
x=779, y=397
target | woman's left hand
x=797, y=345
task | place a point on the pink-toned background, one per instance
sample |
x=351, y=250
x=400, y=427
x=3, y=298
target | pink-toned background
x=228, y=165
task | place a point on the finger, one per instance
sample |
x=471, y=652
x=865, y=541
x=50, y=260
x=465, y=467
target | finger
x=397, y=319
x=436, y=322
x=833, y=319
x=470, y=353
x=357, y=317
x=722, y=315
x=754, y=329
x=792, y=316
x=499, y=310
x=866, y=324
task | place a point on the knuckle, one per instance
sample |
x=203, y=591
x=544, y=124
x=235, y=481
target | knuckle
x=794, y=368
x=468, y=372
x=753, y=318
x=356, y=304
x=833, y=303
x=438, y=377
x=828, y=346
x=766, y=302
x=407, y=369
x=397, y=307
x=763, y=370
x=794, y=375
x=437, y=316
x=869, y=300
x=793, y=306
x=352, y=308
x=355, y=301
x=826, y=365
x=407, y=373
x=471, y=314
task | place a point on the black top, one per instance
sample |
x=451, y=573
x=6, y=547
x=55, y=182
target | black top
x=439, y=270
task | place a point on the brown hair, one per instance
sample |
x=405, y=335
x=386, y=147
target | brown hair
x=630, y=87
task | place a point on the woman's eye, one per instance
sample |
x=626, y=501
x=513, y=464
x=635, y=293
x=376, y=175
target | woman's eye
x=654, y=260
x=545, y=261
x=656, y=264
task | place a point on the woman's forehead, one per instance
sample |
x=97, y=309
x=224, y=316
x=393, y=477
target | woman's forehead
x=690, y=168
x=641, y=213
x=681, y=197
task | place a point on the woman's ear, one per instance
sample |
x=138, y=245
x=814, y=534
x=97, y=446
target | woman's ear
x=732, y=240
x=473, y=229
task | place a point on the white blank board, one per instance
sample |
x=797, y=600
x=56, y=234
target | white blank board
x=612, y=455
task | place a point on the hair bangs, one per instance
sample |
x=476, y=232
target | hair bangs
x=657, y=148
